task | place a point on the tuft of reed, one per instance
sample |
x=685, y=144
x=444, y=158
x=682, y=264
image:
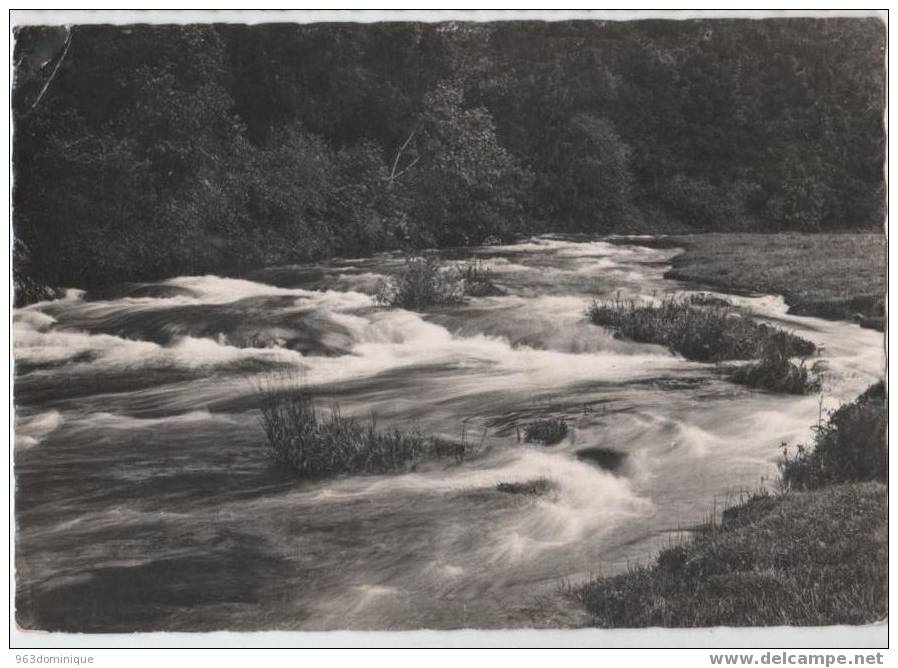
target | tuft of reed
x=421, y=283
x=705, y=328
x=775, y=371
x=546, y=431
x=424, y=282
x=477, y=279
x=316, y=444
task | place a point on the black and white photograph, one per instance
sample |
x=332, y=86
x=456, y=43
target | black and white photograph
x=360, y=321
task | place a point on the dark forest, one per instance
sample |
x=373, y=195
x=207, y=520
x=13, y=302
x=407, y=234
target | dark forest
x=146, y=151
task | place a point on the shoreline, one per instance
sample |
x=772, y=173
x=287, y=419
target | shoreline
x=822, y=275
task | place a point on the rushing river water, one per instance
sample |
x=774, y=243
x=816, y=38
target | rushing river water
x=145, y=499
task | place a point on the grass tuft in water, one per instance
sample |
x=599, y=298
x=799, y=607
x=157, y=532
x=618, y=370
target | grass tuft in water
x=424, y=282
x=477, y=279
x=546, y=431
x=316, y=444
x=698, y=328
x=775, y=371
x=705, y=328
x=421, y=283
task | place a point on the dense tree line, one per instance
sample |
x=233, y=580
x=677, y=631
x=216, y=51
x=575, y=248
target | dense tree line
x=141, y=151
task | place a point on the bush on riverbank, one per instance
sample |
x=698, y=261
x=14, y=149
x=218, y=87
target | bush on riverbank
x=315, y=445
x=851, y=445
x=425, y=281
x=703, y=331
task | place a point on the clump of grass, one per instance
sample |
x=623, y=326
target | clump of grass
x=316, y=445
x=425, y=281
x=422, y=282
x=707, y=299
x=459, y=450
x=710, y=332
x=477, y=279
x=547, y=431
x=536, y=487
x=850, y=445
x=817, y=558
x=775, y=371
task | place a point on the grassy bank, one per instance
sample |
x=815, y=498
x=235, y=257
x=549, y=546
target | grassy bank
x=834, y=276
x=816, y=554
x=813, y=558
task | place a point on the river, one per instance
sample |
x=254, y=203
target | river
x=145, y=499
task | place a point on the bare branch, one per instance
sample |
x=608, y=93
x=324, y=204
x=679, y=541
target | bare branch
x=68, y=41
x=393, y=173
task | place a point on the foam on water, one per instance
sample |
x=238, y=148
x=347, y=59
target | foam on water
x=32, y=430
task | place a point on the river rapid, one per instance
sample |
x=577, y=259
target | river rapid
x=145, y=499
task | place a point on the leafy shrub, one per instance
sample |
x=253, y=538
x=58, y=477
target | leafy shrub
x=421, y=283
x=316, y=445
x=547, y=431
x=850, y=446
x=711, y=332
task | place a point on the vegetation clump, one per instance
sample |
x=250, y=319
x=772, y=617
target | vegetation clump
x=424, y=282
x=851, y=445
x=546, y=431
x=477, y=279
x=709, y=332
x=775, y=371
x=705, y=328
x=316, y=445
x=421, y=283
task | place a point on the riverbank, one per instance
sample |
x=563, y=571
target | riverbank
x=832, y=276
x=799, y=559
x=816, y=554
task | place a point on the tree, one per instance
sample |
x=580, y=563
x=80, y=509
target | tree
x=589, y=178
x=460, y=184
